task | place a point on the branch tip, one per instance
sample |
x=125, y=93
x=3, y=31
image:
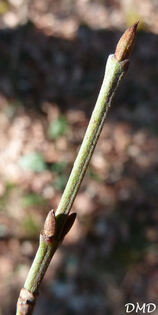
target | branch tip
x=126, y=43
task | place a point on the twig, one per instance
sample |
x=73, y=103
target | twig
x=58, y=224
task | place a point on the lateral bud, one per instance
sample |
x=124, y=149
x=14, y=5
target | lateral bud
x=69, y=223
x=25, y=302
x=50, y=225
x=126, y=43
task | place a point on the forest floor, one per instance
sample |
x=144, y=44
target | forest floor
x=52, y=61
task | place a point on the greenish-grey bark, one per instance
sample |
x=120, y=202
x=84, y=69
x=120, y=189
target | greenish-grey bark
x=113, y=73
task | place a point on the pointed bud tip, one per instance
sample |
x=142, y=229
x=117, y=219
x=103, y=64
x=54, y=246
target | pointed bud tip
x=126, y=43
x=50, y=224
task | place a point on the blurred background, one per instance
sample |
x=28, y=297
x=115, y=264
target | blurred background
x=52, y=60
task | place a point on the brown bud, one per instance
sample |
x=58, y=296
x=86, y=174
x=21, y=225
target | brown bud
x=69, y=223
x=126, y=43
x=50, y=224
x=25, y=302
